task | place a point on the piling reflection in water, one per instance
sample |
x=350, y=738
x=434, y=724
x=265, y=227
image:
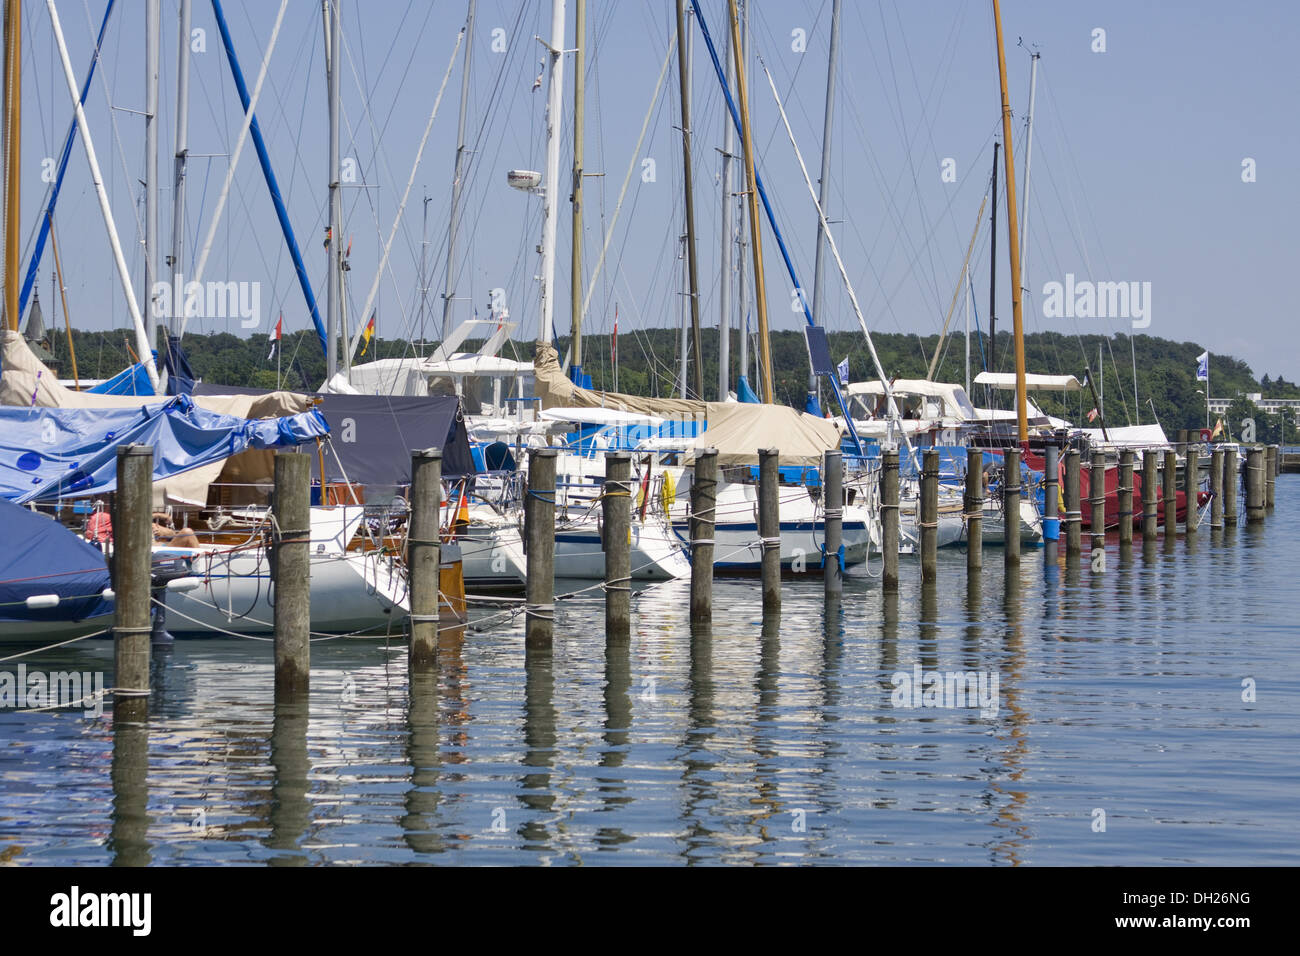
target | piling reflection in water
x=536, y=793
x=290, y=814
x=420, y=821
x=128, y=842
x=698, y=763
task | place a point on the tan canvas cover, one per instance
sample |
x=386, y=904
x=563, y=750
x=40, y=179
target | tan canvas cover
x=556, y=391
x=23, y=377
x=24, y=380
x=739, y=429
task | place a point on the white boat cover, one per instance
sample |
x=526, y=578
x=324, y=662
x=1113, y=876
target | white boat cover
x=1033, y=382
x=555, y=390
x=1129, y=436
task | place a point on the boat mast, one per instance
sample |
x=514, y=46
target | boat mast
x=724, y=290
x=1008, y=156
x=993, y=270
x=966, y=282
x=550, y=185
x=824, y=188
x=334, y=71
x=449, y=288
x=755, y=229
x=1029, y=155
x=181, y=159
x=152, y=15
x=685, y=47
x=105, y=208
x=575, y=197
x=13, y=101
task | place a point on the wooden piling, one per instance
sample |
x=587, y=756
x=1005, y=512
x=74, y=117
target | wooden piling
x=132, y=557
x=1231, y=481
x=929, y=516
x=1216, y=489
x=889, y=517
x=704, y=496
x=422, y=554
x=1073, y=504
x=973, y=506
x=833, y=507
x=1011, y=508
x=616, y=521
x=1169, y=482
x=769, y=525
x=291, y=572
x=1256, y=505
x=1270, y=475
x=1192, y=481
x=539, y=535
x=1097, y=499
x=1124, y=496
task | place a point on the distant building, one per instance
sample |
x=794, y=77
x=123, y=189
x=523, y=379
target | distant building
x=1274, y=406
x=37, y=339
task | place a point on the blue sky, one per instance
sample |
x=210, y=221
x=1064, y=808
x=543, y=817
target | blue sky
x=1137, y=158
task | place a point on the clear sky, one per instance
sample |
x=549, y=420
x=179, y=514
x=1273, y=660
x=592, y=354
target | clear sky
x=1137, y=171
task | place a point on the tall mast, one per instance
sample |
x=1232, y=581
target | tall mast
x=181, y=157
x=449, y=287
x=550, y=185
x=1008, y=156
x=755, y=228
x=966, y=281
x=579, y=111
x=993, y=270
x=824, y=189
x=724, y=290
x=333, y=66
x=152, y=17
x=1029, y=155
x=424, y=275
x=684, y=48
x=13, y=101
x=742, y=293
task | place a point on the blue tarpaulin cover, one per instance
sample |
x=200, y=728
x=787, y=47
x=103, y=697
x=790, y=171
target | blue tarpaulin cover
x=50, y=453
x=47, y=558
x=132, y=380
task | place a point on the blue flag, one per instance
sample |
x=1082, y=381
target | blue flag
x=1203, y=367
x=843, y=370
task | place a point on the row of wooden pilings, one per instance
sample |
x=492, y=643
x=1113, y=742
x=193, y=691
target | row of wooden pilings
x=290, y=545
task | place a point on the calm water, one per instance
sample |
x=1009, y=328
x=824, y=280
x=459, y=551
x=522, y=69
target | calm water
x=772, y=742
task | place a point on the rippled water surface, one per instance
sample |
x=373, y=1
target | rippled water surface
x=1120, y=734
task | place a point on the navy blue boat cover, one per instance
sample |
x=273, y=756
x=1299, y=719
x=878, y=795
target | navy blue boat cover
x=44, y=557
x=374, y=435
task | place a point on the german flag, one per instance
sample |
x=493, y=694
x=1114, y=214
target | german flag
x=367, y=333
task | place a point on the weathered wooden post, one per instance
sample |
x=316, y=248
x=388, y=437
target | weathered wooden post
x=422, y=554
x=1270, y=475
x=616, y=520
x=1216, y=489
x=132, y=558
x=1192, y=481
x=704, y=496
x=1097, y=498
x=1231, y=479
x=1124, y=496
x=1011, y=508
x=889, y=516
x=1051, y=502
x=769, y=525
x=1170, y=484
x=929, y=516
x=1255, y=503
x=291, y=572
x=539, y=536
x=973, y=506
x=1073, y=504
x=1150, y=484
x=833, y=506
